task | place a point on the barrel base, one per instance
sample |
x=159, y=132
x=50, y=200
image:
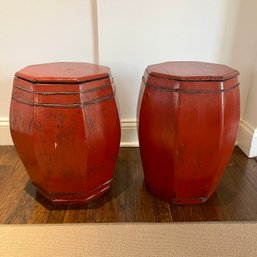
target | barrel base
x=75, y=198
x=190, y=200
x=178, y=201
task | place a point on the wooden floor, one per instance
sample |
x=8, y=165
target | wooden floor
x=128, y=200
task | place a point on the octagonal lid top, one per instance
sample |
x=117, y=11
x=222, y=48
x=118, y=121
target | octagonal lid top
x=192, y=71
x=63, y=72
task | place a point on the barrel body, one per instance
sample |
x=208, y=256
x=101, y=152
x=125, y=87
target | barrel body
x=67, y=136
x=187, y=131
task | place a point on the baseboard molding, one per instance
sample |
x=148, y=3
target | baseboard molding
x=247, y=139
x=5, y=136
x=128, y=133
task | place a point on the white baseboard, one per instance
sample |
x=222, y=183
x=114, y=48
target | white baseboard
x=5, y=136
x=129, y=136
x=128, y=133
x=247, y=139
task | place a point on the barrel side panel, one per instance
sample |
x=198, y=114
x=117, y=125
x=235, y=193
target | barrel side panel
x=199, y=135
x=59, y=136
x=157, y=134
x=231, y=106
x=103, y=124
x=21, y=128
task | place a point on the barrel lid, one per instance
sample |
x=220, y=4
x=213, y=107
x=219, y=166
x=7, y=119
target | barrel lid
x=63, y=72
x=192, y=71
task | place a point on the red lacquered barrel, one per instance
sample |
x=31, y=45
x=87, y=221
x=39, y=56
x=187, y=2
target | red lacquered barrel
x=188, y=116
x=66, y=129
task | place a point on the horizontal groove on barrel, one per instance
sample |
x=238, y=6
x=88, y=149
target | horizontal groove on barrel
x=63, y=92
x=193, y=91
x=75, y=105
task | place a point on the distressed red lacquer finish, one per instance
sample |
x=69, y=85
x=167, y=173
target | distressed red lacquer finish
x=188, y=115
x=66, y=129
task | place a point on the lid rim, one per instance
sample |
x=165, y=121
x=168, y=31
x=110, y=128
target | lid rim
x=191, y=78
x=191, y=71
x=61, y=80
x=63, y=72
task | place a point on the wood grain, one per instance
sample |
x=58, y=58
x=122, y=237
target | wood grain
x=128, y=200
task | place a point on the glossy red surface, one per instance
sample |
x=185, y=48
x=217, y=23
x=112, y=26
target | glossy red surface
x=63, y=72
x=187, y=129
x=191, y=71
x=66, y=134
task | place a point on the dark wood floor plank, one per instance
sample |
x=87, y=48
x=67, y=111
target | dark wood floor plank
x=128, y=200
x=12, y=183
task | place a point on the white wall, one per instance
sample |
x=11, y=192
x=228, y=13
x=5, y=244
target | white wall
x=251, y=105
x=37, y=32
x=242, y=53
x=42, y=31
x=127, y=36
x=239, y=47
x=247, y=136
x=135, y=34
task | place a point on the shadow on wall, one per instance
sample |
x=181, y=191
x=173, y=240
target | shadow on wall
x=239, y=46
